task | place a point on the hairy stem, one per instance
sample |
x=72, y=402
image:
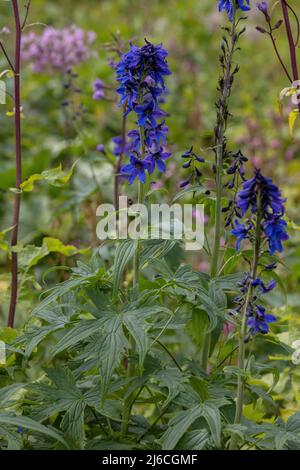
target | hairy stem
x=225, y=85
x=18, y=147
x=129, y=401
x=119, y=162
x=242, y=335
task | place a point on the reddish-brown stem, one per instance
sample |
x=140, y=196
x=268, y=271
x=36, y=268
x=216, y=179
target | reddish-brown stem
x=17, y=197
x=293, y=56
x=119, y=162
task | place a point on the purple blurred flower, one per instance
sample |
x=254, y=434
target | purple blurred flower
x=57, y=49
x=98, y=89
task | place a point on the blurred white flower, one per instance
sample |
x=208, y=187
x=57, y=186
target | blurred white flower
x=296, y=353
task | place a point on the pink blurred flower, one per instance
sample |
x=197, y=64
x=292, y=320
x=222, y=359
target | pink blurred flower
x=228, y=328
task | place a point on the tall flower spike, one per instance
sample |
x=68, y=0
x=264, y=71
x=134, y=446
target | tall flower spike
x=261, y=191
x=141, y=75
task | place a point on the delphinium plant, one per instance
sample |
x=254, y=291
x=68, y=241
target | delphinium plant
x=260, y=205
x=135, y=350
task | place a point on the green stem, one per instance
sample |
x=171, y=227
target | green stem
x=242, y=335
x=136, y=256
x=129, y=401
x=226, y=82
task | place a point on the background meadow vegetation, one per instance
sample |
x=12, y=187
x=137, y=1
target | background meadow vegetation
x=58, y=221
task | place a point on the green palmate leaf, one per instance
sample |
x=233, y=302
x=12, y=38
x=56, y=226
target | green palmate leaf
x=293, y=424
x=106, y=444
x=184, y=420
x=135, y=320
x=109, y=349
x=64, y=288
x=194, y=440
x=155, y=249
x=213, y=418
x=228, y=282
x=198, y=326
x=28, y=423
x=8, y=394
x=138, y=328
x=212, y=310
x=192, y=189
x=281, y=439
x=79, y=332
x=73, y=424
x=14, y=439
x=200, y=387
x=178, y=427
x=65, y=380
x=35, y=336
x=124, y=254
x=65, y=397
x=217, y=295
x=172, y=379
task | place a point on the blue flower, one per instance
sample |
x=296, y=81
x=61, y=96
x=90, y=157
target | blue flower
x=259, y=320
x=136, y=168
x=156, y=135
x=141, y=73
x=261, y=187
x=157, y=158
x=263, y=7
x=119, y=148
x=142, y=67
x=275, y=231
x=237, y=168
x=241, y=232
x=227, y=5
x=192, y=161
x=135, y=137
x=147, y=112
x=262, y=287
x=100, y=148
x=261, y=191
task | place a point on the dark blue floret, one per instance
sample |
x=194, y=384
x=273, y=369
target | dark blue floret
x=136, y=169
x=259, y=320
x=157, y=158
x=262, y=287
x=241, y=232
x=275, y=231
x=227, y=5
